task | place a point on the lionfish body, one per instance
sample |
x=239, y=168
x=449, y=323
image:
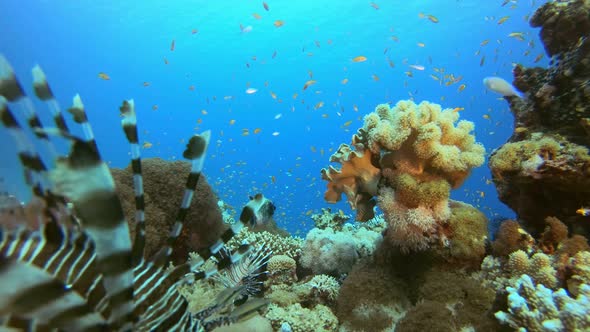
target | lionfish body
x=79, y=270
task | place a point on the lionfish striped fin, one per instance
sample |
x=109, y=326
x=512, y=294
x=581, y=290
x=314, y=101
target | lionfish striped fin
x=12, y=90
x=129, y=124
x=79, y=115
x=60, y=280
x=86, y=180
x=195, y=151
x=43, y=92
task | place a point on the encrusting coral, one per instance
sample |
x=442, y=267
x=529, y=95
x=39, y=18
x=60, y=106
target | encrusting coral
x=409, y=157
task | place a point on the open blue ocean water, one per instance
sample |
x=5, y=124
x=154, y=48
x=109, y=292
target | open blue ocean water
x=188, y=65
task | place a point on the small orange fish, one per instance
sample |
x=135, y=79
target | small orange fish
x=155, y=107
x=104, y=76
x=421, y=44
x=172, y=45
x=279, y=23
x=374, y=5
x=146, y=83
x=308, y=83
x=457, y=109
x=257, y=131
x=319, y=105
x=147, y=145
x=265, y=5
x=538, y=58
x=359, y=58
x=432, y=18
x=344, y=81
x=375, y=77
x=484, y=43
x=194, y=31
x=232, y=122
x=256, y=16
x=461, y=87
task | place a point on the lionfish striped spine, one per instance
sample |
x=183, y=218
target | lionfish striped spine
x=89, y=276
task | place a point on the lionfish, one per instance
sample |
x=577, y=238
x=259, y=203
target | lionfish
x=78, y=270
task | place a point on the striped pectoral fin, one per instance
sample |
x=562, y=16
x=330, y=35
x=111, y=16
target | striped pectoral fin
x=43, y=92
x=30, y=292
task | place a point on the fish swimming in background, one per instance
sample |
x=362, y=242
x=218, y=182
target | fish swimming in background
x=583, y=211
x=258, y=211
x=501, y=86
x=245, y=29
x=78, y=270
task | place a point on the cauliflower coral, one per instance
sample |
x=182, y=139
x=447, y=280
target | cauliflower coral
x=408, y=157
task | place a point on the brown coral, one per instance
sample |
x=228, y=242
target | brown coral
x=163, y=183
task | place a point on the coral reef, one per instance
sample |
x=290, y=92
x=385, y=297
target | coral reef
x=164, y=182
x=408, y=158
x=541, y=309
x=329, y=252
x=278, y=244
x=543, y=175
x=371, y=299
x=544, y=169
x=320, y=318
x=329, y=219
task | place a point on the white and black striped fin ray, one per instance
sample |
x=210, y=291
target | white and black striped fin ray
x=67, y=255
x=12, y=90
x=79, y=115
x=33, y=166
x=196, y=150
x=44, y=93
x=86, y=180
x=129, y=123
x=56, y=277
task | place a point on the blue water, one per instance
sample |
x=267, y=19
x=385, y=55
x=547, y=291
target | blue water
x=74, y=41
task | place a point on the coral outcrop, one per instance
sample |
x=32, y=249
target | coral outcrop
x=544, y=169
x=407, y=159
x=164, y=182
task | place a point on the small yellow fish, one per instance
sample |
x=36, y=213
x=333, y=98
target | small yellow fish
x=308, y=83
x=517, y=35
x=359, y=58
x=347, y=123
x=256, y=16
x=319, y=105
x=421, y=44
x=103, y=76
x=375, y=77
x=538, y=58
x=583, y=211
x=484, y=43
x=457, y=109
x=231, y=122
x=432, y=18
x=147, y=145
x=503, y=19
x=461, y=87
x=344, y=81
x=279, y=23
x=257, y=131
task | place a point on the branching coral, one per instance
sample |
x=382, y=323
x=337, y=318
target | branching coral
x=409, y=156
x=541, y=309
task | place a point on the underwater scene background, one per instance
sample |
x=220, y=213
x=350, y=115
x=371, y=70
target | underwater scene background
x=204, y=81
x=355, y=165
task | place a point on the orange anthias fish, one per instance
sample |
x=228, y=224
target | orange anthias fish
x=308, y=83
x=359, y=58
x=279, y=23
x=103, y=76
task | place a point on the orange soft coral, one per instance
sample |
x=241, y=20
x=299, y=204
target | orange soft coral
x=357, y=178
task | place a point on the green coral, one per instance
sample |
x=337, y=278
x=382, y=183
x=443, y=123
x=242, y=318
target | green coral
x=317, y=319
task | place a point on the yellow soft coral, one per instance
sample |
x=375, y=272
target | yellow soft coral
x=410, y=157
